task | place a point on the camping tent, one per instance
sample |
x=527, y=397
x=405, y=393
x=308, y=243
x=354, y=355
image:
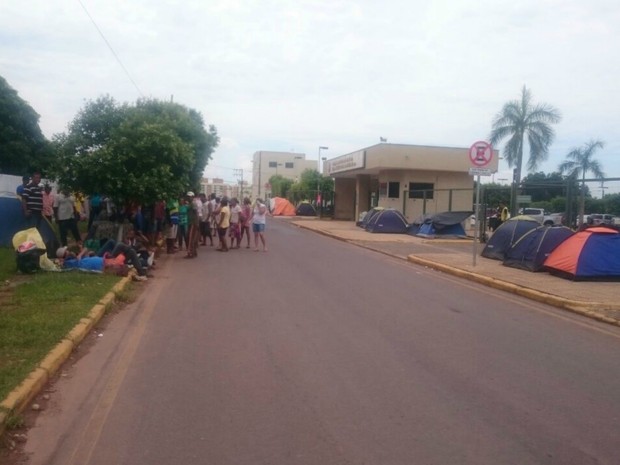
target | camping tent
x=388, y=221
x=445, y=224
x=305, y=209
x=507, y=234
x=281, y=207
x=593, y=253
x=368, y=216
x=531, y=249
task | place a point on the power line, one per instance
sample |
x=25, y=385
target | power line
x=111, y=49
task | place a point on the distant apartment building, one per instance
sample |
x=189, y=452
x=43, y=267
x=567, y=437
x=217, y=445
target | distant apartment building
x=218, y=187
x=289, y=165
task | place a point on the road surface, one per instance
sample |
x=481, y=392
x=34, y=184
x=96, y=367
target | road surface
x=320, y=352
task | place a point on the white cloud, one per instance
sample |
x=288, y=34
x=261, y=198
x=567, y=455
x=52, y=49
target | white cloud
x=280, y=74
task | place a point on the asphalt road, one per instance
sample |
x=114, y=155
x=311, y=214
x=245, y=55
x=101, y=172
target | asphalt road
x=320, y=352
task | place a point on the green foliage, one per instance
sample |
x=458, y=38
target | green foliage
x=543, y=187
x=496, y=194
x=580, y=161
x=280, y=186
x=23, y=147
x=523, y=122
x=142, y=152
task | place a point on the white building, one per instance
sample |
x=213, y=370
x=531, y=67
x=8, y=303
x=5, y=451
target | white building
x=289, y=165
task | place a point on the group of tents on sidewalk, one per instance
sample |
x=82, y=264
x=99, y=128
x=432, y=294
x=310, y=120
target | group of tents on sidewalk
x=593, y=253
x=521, y=242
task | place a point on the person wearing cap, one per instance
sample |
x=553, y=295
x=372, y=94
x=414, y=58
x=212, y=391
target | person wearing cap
x=194, y=213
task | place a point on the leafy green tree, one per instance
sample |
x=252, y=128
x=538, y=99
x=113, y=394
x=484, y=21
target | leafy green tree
x=140, y=153
x=518, y=120
x=543, y=187
x=280, y=185
x=612, y=204
x=23, y=147
x=580, y=161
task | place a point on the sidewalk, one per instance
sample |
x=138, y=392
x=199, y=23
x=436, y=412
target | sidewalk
x=599, y=300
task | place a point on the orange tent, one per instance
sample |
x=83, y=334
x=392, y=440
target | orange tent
x=281, y=207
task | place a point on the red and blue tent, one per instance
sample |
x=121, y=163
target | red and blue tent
x=593, y=253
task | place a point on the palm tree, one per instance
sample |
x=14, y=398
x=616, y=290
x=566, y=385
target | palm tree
x=517, y=120
x=581, y=161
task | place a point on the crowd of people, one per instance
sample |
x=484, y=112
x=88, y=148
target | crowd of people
x=174, y=225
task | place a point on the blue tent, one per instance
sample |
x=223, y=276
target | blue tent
x=532, y=249
x=368, y=216
x=445, y=224
x=591, y=254
x=388, y=221
x=507, y=234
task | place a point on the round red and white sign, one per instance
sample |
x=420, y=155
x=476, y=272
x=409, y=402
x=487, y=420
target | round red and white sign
x=481, y=153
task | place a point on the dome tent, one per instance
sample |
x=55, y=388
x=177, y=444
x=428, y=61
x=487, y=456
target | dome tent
x=368, y=216
x=506, y=235
x=388, y=221
x=445, y=224
x=305, y=209
x=531, y=250
x=281, y=207
x=593, y=253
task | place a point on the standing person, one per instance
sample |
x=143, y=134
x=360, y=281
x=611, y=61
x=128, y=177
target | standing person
x=235, y=227
x=215, y=216
x=205, y=221
x=20, y=189
x=94, y=208
x=223, y=224
x=172, y=231
x=246, y=213
x=48, y=202
x=183, y=222
x=32, y=201
x=259, y=219
x=65, y=212
x=194, y=214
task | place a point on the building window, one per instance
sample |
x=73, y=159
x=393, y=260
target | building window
x=393, y=190
x=421, y=190
x=289, y=165
x=273, y=164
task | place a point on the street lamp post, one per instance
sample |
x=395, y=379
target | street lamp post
x=318, y=180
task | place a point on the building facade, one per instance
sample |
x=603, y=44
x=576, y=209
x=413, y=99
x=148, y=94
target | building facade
x=414, y=179
x=266, y=164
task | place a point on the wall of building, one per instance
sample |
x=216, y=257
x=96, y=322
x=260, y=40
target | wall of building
x=289, y=165
x=345, y=200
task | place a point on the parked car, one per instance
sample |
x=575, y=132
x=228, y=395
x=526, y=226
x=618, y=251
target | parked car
x=601, y=218
x=543, y=217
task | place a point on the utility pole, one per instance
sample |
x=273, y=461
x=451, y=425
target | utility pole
x=239, y=174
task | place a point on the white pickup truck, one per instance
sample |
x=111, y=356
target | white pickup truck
x=543, y=217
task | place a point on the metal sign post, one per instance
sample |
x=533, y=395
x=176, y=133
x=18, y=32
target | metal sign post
x=480, y=155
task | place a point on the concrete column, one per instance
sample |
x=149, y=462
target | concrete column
x=362, y=194
x=344, y=190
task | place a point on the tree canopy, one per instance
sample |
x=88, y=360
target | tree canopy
x=143, y=152
x=23, y=147
x=521, y=119
x=580, y=161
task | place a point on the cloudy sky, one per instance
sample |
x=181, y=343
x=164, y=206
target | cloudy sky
x=299, y=74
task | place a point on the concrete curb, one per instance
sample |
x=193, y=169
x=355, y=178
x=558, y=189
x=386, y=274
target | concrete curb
x=20, y=397
x=581, y=308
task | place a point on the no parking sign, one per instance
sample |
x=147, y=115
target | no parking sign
x=480, y=153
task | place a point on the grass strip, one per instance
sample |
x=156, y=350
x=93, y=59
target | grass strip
x=37, y=314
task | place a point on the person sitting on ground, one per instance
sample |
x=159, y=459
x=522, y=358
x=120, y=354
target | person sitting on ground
x=133, y=242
